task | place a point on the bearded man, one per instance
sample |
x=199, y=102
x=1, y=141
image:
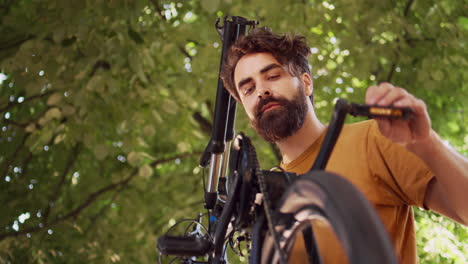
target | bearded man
x=396, y=164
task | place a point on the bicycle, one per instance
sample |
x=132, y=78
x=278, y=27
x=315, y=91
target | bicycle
x=289, y=203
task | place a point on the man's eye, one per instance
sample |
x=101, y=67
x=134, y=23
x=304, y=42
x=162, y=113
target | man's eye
x=273, y=77
x=248, y=90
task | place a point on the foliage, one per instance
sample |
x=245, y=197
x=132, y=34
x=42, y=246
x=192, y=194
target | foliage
x=106, y=105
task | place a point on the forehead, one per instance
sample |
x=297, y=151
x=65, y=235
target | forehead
x=251, y=64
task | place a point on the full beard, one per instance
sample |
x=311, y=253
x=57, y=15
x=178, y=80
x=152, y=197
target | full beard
x=282, y=121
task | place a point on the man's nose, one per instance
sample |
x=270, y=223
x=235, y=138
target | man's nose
x=264, y=92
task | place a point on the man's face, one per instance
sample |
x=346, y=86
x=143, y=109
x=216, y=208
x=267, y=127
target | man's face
x=275, y=101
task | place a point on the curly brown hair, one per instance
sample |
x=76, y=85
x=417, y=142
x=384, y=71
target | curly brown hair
x=290, y=50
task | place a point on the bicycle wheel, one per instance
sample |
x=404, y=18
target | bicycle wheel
x=324, y=196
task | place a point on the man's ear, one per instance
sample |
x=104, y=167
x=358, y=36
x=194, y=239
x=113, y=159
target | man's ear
x=308, y=84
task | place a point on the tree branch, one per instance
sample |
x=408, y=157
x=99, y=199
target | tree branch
x=91, y=199
x=185, y=52
x=210, y=107
x=377, y=71
x=55, y=195
x=14, y=123
x=25, y=163
x=204, y=123
x=101, y=212
x=398, y=49
x=37, y=96
x=100, y=64
x=15, y=43
x=392, y=71
x=158, y=9
x=15, y=154
x=408, y=7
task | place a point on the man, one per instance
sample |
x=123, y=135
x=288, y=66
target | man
x=396, y=164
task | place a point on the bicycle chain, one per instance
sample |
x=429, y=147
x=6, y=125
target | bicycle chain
x=266, y=199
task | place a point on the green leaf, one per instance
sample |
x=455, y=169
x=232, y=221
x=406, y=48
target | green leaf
x=463, y=22
x=135, y=64
x=68, y=41
x=438, y=75
x=135, y=36
x=210, y=6
x=54, y=99
x=53, y=113
x=135, y=159
x=145, y=171
x=454, y=127
x=101, y=151
x=96, y=83
x=149, y=131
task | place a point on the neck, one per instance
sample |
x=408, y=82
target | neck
x=293, y=146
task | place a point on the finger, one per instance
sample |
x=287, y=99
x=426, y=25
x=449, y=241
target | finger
x=384, y=126
x=395, y=94
x=420, y=124
x=404, y=102
x=400, y=132
x=386, y=86
x=395, y=130
x=370, y=94
x=375, y=93
x=417, y=105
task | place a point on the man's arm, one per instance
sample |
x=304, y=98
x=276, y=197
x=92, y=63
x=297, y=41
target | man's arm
x=448, y=192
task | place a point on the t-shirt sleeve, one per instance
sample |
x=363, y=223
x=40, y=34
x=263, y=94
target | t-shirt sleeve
x=404, y=176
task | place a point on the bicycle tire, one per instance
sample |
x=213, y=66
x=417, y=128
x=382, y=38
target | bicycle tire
x=329, y=197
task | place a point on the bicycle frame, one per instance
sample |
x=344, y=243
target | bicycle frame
x=224, y=115
x=216, y=155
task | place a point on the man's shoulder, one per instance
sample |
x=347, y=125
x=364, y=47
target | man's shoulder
x=366, y=124
x=360, y=129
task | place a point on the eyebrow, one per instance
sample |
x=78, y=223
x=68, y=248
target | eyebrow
x=263, y=70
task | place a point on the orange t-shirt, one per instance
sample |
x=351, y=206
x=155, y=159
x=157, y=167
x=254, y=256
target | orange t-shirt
x=392, y=178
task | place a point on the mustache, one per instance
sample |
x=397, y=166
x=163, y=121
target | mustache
x=263, y=102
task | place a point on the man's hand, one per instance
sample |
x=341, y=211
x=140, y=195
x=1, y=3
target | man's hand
x=446, y=193
x=404, y=132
